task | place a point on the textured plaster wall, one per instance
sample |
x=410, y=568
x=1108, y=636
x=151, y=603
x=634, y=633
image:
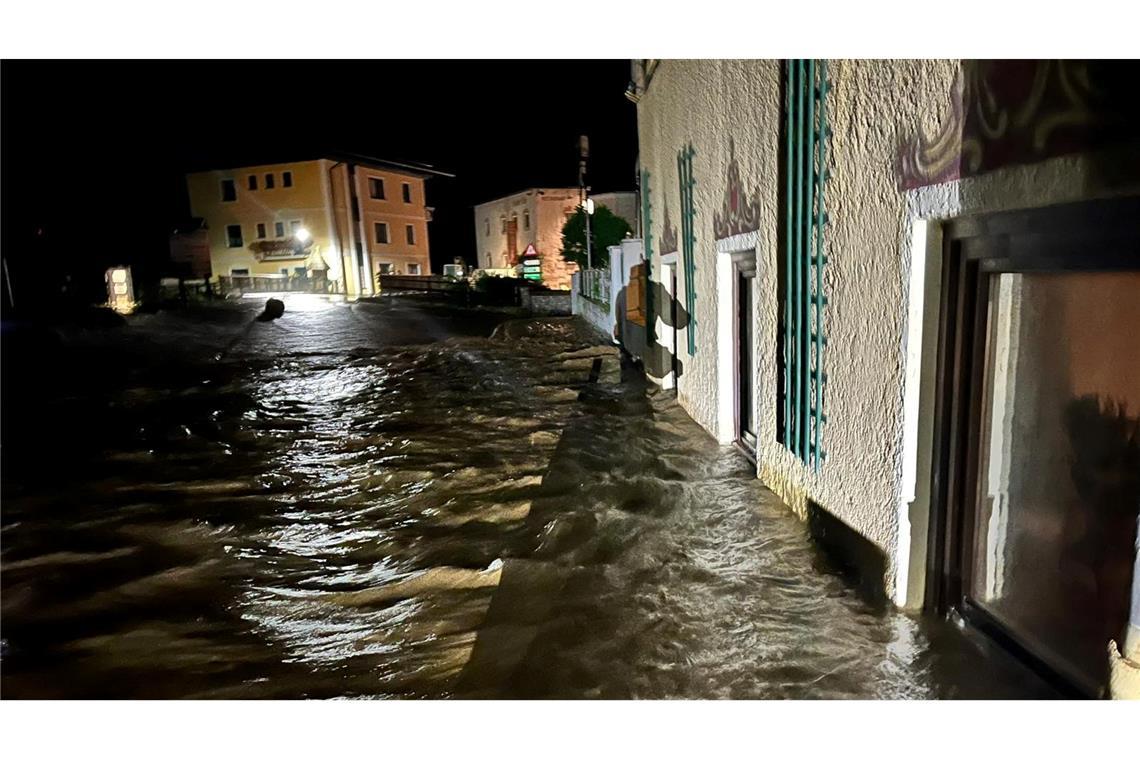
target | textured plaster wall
x=706, y=103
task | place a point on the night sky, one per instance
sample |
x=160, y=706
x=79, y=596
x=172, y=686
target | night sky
x=94, y=153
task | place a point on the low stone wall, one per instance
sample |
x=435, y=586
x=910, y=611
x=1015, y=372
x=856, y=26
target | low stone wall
x=546, y=303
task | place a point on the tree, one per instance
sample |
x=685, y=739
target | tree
x=606, y=227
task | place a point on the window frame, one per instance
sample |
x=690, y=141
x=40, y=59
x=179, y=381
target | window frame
x=373, y=183
x=287, y=179
x=270, y=183
x=251, y=182
x=233, y=187
x=240, y=236
x=406, y=191
x=279, y=231
x=1096, y=235
x=262, y=231
x=410, y=234
x=376, y=227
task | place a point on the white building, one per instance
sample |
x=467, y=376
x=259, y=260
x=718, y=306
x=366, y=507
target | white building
x=848, y=240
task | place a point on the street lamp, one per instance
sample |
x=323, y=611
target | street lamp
x=588, y=207
x=302, y=235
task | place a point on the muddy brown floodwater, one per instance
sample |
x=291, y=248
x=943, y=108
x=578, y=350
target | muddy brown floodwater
x=380, y=500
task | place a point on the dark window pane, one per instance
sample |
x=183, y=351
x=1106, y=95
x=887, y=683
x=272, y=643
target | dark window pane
x=253, y=182
x=376, y=188
x=260, y=230
x=268, y=181
x=279, y=229
x=287, y=179
x=229, y=191
x=1058, y=486
x=411, y=234
x=233, y=235
x=381, y=232
x=407, y=193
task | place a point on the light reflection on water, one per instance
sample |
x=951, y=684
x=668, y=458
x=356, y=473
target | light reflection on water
x=353, y=503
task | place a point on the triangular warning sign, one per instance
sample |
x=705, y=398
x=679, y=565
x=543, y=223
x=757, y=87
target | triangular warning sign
x=530, y=251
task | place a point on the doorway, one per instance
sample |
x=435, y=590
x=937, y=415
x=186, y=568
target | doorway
x=668, y=329
x=744, y=360
x=512, y=242
x=1035, y=482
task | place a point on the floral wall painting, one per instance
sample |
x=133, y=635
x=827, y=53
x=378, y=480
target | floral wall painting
x=1004, y=113
x=740, y=211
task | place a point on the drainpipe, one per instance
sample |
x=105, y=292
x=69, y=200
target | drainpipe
x=1124, y=669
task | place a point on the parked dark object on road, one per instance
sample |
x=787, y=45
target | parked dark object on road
x=274, y=308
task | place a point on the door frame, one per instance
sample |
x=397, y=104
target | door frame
x=669, y=282
x=744, y=266
x=1099, y=235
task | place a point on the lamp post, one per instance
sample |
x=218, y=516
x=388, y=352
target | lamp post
x=588, y=207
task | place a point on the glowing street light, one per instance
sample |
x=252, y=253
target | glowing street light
x=588, y=207
x=302, y=235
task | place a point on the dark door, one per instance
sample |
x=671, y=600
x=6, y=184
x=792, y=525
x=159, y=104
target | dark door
x=745, y=371
x=512, y=242
x=1037, y=476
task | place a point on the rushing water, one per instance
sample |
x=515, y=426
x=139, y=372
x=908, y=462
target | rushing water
x=380, y=500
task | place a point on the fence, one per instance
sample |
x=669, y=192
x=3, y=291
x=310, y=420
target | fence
x=275, y=283
x=595, y=285
x=421, y=283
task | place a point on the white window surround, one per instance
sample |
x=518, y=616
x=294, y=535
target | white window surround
x=662, y=330
x=413, y=268
x=726, y=248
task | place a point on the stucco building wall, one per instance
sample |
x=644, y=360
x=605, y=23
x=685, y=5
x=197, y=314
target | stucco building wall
x=539, y=214
x=878, y=354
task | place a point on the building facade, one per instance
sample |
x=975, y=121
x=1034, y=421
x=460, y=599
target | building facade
x=336, y=221
x=886, y=271
x=506, y=227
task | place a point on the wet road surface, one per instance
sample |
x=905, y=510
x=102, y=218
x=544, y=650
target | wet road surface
x=379, y=500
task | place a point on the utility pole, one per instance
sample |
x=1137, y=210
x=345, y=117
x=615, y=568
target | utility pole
x=583, y=200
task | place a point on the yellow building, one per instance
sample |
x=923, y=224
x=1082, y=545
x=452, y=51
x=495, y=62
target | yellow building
x=332, y=224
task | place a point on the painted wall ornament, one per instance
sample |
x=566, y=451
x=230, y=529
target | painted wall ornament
x=1004, y=113
x=668, y=234
x=739, y=212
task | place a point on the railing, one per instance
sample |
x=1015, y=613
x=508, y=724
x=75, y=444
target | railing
x=595, y=285
x=276, y=283
x=426, y=282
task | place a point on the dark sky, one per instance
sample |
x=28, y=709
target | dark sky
x=94, y=152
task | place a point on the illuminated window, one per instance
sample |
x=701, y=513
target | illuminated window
x=413, y=268
x=253, y=182
x=410, y=232
x=233, y=236
x=260, y=230
x=407, y=193
x=268, y=181
x=287, y=179
x=381, y=232
x=376, y=188
x=294, y=225
x=229, y=191
x=279, y=229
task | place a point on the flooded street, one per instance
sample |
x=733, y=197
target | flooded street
x=385, y=500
